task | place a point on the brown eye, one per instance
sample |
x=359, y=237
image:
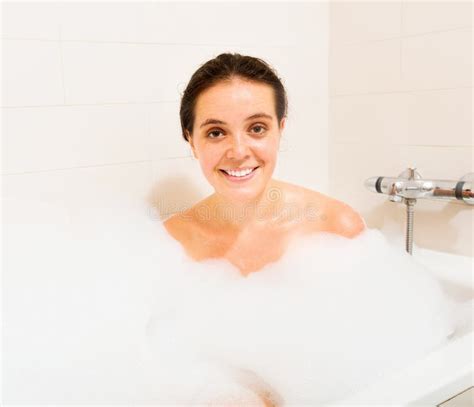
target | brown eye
x=261, y=128
x=213, y=132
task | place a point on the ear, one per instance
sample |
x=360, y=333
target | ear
x=191, y=144
x=282, y=123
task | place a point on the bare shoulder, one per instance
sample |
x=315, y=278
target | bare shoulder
x=189, y=228
x=346, y=221
x=179, y=225
x=333, y=215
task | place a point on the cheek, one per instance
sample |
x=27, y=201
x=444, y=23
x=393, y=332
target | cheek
x=210, y=161
x=268, y=151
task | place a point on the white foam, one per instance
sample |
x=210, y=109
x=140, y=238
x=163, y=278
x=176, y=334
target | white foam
x=119, y=314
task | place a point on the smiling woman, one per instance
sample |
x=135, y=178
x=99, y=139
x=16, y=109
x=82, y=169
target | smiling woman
x=233, y=113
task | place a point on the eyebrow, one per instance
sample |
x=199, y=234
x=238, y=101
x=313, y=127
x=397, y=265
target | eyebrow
x=254, y=116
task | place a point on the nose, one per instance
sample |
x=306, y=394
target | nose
x=239, y=148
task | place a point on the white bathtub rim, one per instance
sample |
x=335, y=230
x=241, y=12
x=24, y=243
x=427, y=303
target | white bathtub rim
x=439, y=376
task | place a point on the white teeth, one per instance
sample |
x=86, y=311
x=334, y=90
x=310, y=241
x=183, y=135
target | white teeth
x=242, y=173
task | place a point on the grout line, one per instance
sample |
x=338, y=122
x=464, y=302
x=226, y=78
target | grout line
x=155, y=43
x=401, y=40
x=364, y=42
x=28, y=39
x=92, y=104
x=402, y=144
x=62, y=64
x=397, y=91
x=77, y=167
x=149, y=135
x=94, y=166
x=157, y=102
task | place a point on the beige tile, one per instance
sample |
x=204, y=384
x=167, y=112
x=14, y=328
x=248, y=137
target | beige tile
x=439, y=225
x=29, y=20
x=425, y=16
x=437, y=60
x=367, y=67
x=438, y=117
x=464, y=399
x=36, y=139
x=31, y=73
x=363, y=21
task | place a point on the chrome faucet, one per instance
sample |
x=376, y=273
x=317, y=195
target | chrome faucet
x=410, y=186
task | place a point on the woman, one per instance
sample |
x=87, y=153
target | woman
x=233, y=112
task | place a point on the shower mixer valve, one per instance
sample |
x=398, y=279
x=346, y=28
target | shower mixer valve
x=410, y=186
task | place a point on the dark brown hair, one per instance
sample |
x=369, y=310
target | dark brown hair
x=224, y=67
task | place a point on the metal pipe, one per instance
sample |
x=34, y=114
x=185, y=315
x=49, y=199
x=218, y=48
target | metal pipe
x=443, y=190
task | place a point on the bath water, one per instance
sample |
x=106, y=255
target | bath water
x=118, y=313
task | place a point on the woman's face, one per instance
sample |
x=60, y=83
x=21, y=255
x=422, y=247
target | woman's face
x=236, y=128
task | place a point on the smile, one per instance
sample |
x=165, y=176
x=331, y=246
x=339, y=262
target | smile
x=239, y=176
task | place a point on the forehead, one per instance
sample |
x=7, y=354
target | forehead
x=236, y=98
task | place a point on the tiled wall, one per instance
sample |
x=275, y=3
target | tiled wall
x=91, y=96
x=401, y=94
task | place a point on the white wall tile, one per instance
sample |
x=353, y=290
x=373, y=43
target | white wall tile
x=108, y=193
x=36, y=139
x=364, y=21
x=31, y=73
x=389, y=160
x=374, y=118
x=43, y=187
x=106, y=21
x=30, y=20
x=438, y=117
x=112, y=72
x=437, y=60
x=303, y=169
x=441, y=117
x=425, y=16
x=303, y=73
x=119, y=54
x=421, y=116
x=178, y=184
x=82, y=195
x=367, y=67
x=217, y=23
x=165, y=131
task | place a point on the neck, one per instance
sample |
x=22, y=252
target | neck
x=240, y=215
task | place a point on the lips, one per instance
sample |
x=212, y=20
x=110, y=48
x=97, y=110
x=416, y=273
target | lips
x=239, y=179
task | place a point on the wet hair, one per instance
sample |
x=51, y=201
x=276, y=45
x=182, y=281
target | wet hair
x=225, y=67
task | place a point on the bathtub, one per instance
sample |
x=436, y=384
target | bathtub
x=446, y=372
x=441, y=375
